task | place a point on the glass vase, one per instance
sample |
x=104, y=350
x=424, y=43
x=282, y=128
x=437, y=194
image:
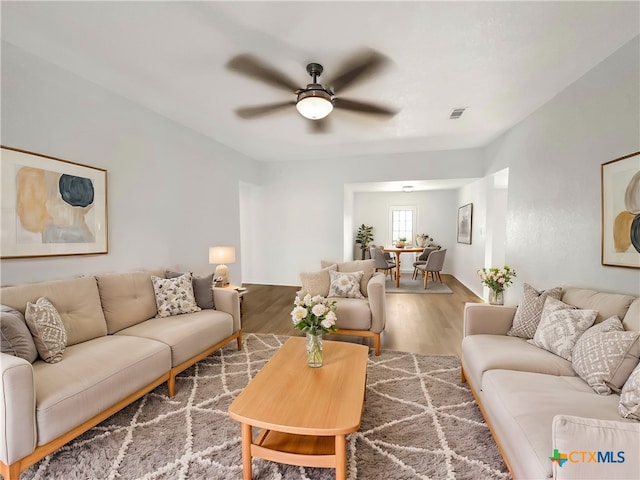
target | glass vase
x=496, y=298
x=314, y=350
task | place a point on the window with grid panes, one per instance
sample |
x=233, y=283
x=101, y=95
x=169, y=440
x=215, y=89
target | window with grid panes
x=402, y=223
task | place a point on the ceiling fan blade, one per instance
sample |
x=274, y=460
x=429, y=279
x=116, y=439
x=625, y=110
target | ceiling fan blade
x=358, y=68
x=319, y=126
x=363, y=107
x=260, y=110
x=252, y=67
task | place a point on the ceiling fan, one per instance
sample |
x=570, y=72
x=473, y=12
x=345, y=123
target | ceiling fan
x=316, y=101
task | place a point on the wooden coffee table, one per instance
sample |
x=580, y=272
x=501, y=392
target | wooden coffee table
x=305, y=413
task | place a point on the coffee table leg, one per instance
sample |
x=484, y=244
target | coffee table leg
x=246, y=451
x=341, y=457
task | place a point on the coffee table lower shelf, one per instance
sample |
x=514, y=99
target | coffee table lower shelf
x=292, y=449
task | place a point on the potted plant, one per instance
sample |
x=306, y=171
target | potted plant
x=401, y=242
x=364, y=237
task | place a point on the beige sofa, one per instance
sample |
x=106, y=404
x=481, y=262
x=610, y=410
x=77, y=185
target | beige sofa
x=116, y=352
x=534, y=402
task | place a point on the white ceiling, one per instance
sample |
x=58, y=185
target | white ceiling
x=502, y=60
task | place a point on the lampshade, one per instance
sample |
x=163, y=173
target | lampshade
x=222, y=255
x=314, y=104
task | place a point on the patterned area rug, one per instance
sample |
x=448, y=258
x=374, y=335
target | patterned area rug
x=409, y=285
x=419, y=422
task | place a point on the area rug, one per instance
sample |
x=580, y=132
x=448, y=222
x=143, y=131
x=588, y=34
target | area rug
x=419, y=422
x=409, y=285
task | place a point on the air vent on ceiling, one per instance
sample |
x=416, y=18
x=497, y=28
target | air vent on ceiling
x=456, y=113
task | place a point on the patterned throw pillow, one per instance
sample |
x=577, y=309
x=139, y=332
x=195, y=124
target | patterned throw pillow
x=47, y=329
x=202, y=288
x=560, y=327
x=174, y=296
x=605, y=355
x=527, y=317
x=345, y=285
x=629, y=406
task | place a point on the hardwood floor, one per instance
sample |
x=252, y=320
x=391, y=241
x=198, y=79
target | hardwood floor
x=418, y=323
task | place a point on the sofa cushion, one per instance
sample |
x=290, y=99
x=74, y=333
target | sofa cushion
x=631, y=320
x=187, y=335
x=607, y=304
x=317, y=283
x=605, y=355
x=368, y=267
x=92, y=377
x=561, y=325
x=77, y=301
x=127, y=298
x=15, y=335
x=521, y=407
x=629, y=406
x=489, y=352
x=202, y=288
x=345, y=285
x=174, y=296
x=47, y=330
x=353, y=313
x=527, y=317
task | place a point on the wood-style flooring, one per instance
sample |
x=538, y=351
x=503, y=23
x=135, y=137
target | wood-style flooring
x=418, y=323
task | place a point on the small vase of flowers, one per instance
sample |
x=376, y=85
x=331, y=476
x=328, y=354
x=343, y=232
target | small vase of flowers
x=497, y=279
x=314, y=316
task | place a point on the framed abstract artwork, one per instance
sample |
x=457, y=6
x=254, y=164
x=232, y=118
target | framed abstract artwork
x=465, y=214
x=51, y=206
x=621, y=211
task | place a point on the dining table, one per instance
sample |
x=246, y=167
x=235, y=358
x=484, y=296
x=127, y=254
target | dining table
x=397, y=251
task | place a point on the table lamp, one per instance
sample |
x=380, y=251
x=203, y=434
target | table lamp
x=222, y=256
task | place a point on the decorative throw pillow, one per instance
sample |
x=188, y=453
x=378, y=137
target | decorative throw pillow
x=605, y=355
x=47, y=330
x=560, y=327
x=527, y=317
x=368, y=267
x=317, y=283
x=629, y=406
x=174, y=296
x=345, y=285
x=202, y=289
x=15, y=335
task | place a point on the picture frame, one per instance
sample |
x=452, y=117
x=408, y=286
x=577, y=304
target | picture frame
x=465, y=221
x=50, y=206
x=620, y=232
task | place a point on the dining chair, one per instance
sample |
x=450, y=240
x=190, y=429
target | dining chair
x=381, y=263
x=422, y=259
x=434, y=264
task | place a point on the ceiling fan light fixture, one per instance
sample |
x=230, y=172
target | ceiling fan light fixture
x=314, y=104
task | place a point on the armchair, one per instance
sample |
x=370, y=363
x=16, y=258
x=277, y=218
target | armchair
x=361, y=317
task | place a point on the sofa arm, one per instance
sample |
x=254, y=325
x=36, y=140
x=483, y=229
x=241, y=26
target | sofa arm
x=17, y=409
x=227, y=300
x=377, y=302
x=485, y=319
x=595, y=449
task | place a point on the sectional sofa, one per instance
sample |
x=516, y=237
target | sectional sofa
x=116, y=351
x=549, y=422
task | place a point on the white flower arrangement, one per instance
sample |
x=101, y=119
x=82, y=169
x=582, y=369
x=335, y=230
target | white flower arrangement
x=314, y=315
x=497, y=279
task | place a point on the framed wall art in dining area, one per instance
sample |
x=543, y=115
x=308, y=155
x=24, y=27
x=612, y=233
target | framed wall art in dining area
x=51, y=206
x=465, y=214
x=621, y=211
